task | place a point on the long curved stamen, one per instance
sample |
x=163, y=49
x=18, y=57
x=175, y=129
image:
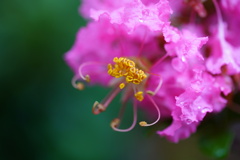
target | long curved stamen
x=77, y=85
x=86, y=77
x=122, y=110
x=142, y=45
x=115, y=123
x=145, y=124
x=100, y=107
x=157, y=88
x=160, y=60
x=122, y=49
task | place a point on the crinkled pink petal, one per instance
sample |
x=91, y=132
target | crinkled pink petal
x=171, y=34
x=191, y=107
x=186, y=46
x=148, y=2
x=178, y=129
x=133, y=14
x=203, y=95
x=108, y=5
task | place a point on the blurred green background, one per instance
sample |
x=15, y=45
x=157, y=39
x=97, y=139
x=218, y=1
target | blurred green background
x=42, y=117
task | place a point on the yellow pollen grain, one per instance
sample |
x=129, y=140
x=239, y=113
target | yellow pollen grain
x=124, y=67
x=139, y=95
x=142, y=123
x=87, y=78
x=115, y=122
x=80, y=86
x=121, y=86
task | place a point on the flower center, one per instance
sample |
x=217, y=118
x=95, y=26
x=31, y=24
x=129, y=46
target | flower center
x=130, y=77
x=126, y=68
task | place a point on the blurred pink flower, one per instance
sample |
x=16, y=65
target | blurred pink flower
x=224, y=43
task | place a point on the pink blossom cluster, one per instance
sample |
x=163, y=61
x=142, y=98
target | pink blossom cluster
x=189, y=51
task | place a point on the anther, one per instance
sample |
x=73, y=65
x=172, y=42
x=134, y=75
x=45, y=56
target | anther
x=79, y=86
x=87, y=78
x=82, y=66
x=121, y=86
x=115, y=123
x=124, y=67
x=145, y=124
x=76, y=84
x=98, y=108
x=151, y=93
x=139, y=95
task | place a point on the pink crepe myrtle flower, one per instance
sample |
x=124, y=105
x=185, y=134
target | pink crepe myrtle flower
x=132, y=47
x=116, y=59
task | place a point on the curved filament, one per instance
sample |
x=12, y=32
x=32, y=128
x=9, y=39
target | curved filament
x=100, y=107
x=160, y=60
x=77, y=85
x=86, y=77
x=145, y=124
x=157, y=88
x=115, y=123
x=142, y=45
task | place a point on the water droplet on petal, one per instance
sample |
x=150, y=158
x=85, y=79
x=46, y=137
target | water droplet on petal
x=140, y=20
x=189, y=121
x=204, y=110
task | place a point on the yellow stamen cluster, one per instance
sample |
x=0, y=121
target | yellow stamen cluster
x=124, y=67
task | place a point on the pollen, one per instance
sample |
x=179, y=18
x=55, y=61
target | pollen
x=139, y=95
x=122, y=85
x=143, y=123
x=124, y=67
x=80, y=86
x=87, y=78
